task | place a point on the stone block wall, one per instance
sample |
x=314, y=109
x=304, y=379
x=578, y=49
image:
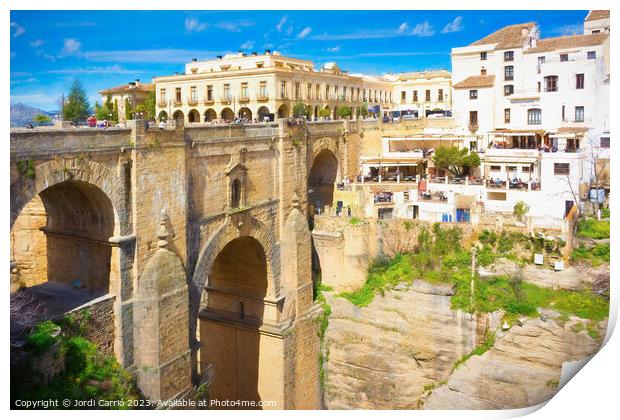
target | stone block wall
x=98, y=318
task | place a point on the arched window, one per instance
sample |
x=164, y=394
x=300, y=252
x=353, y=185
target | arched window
x=235, y=194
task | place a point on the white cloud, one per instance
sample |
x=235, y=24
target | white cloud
x=234, y=26
x=304, y=33
x=403, y=28
x=39, y=100
x=71, y=46
x=17, y=29
x=289, y=30
x=569, y=29
x=115, y=69
x=36, y=43
x=333, y=49
x=247, y=45
x=281, y=23
x=423, y=29
x=454, y=26
x=194, y=25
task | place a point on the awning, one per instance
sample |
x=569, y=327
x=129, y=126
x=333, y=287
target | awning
x=569, y=132
x=518, y=133
x=505, y=160
x=393, y=162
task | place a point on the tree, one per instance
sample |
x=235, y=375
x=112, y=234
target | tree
x=76, y=107
x=520, y=209
x=41, y=119
x=344, y=111
x=128, y=111
x=364, y=110
x=324, y=113
x=454, y=160
x=149, y=106
x=300, y=110
x=115, y=111
x=102, y=112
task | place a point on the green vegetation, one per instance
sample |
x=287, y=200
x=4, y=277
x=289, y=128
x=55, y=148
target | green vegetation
x=595, y=256
x=520, y=209
x=26, y=168
x=344, y=111
x=511, y=245
x=324, y=113
x=440, y=259
x=593, y=229
x=128, y=110
x=355, y=221
x=147, y=107
x=605, y=213
x=323, y=324
x=77, y=107
x=300, y=110
x=454, y=160
x=41, y=119
x=88, y=374
x=489, y=341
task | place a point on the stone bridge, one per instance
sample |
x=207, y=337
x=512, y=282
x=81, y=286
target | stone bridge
x=196, y=238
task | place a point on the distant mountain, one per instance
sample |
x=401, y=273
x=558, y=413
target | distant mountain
x=22, y=115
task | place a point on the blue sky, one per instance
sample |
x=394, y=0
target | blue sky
x=109, y=48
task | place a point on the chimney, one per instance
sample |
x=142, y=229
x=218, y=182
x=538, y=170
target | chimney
x=483, y=72
x=524, y=30
x=267, y=52
x=254, y=53
x=194, y=60
x=137, y=82
x=219, y=57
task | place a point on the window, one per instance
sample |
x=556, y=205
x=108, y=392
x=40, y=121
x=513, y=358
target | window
x=605, y=142
x=297, y=90
x=344, y=93
x=209, y=92
x=496, y=168
x=509, y=72
x=364, y=95
x=579, y=111
x=428, y=96
x=509, y=55
x=177, y=92
x=244, y=90
x=526, y=169
x=318, y=92
x=563, y=112
x=591, y=55
x=551, y=84
x=235, y=194
x=507, y=115
x=509, y=90
x=403, y=96
x=262, y=89
x=561, y=169
x=336, y=92
x=541, y=61
x=227, y=92
x=327, y=92
x=579, y=81
x=483, y=56
x=511, y=168
x=473, y=118
x=534, y=116
x=415, y=96
x=192, y=93
x=440, y=95
x=598, y=31
x=473, y=94
x=538, y=86
x=563, y=57
x=309, y=91
x=162, y=96
x=283, y=89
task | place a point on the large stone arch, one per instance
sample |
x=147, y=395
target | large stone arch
x=236, y=226
x=48, y=174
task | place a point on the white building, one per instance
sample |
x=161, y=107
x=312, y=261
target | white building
x=541, y=107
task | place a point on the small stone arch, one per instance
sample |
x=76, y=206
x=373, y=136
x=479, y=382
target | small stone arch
x=263, y=112
x=193, y=116
x=163, y=116
x=227, y=114
x=245, y=112
x=178, y=116
x=284, y=111
x=210, y=115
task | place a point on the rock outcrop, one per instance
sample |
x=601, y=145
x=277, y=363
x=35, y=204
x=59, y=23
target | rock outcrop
x=522, y=369
x=382, y=356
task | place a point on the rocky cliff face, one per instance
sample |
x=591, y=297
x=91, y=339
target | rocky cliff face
x=394, y=352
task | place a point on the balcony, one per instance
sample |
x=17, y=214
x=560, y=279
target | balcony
x=473, y=127
x=178, y=102
x=244, y=99
x=512, y=153
x=226, y=100
x=162, y=104
x=209, y=101
x=262, y=97
x=192, y=102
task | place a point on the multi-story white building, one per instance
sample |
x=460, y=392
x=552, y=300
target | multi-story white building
x=422, y=92
x=541, y=106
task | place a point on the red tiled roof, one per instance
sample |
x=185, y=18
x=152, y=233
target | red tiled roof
x=568, y=41
x=508, y=37
x=597, y=14
x=142, y=87
x=476, y=82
